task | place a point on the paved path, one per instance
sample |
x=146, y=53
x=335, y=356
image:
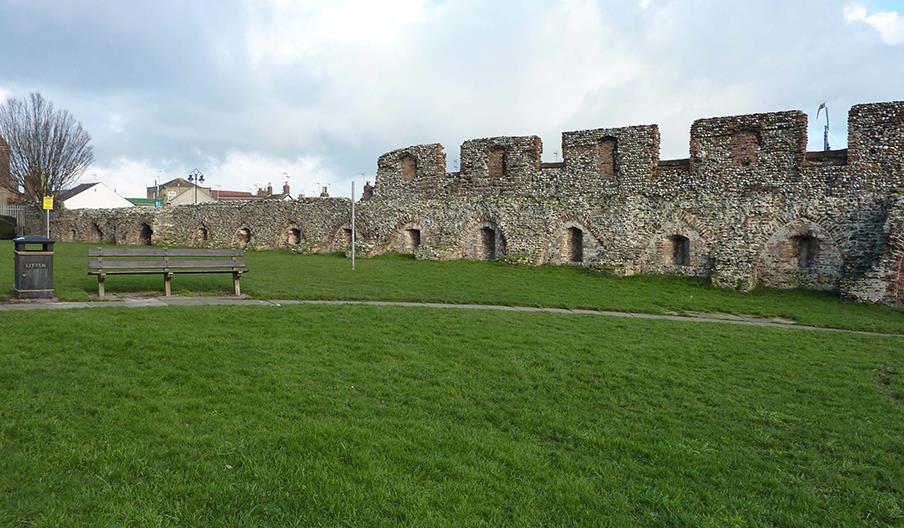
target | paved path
x=698, y=317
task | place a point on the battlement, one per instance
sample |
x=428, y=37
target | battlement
x=728, y=153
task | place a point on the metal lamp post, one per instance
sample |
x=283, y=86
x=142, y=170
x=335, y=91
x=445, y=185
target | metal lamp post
x=196, y=177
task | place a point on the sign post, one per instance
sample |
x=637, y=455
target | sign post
x=48, y=205
x=353, y=224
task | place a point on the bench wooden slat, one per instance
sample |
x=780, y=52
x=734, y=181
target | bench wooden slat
x=165, y=261
x=160, y=271
x=164, y=264
x=160, y=252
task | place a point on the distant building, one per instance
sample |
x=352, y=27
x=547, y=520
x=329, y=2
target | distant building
x=232, y=196
x=180, y=191
x=95, y=195
x=285, y=195
x=143, y=202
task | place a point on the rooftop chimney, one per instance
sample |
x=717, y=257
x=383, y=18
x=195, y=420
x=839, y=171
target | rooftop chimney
x=324, y=193
x=285, y=189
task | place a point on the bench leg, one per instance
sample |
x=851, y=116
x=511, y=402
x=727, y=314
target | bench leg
x=167, y=284
x=100, y=285
x=236, y=283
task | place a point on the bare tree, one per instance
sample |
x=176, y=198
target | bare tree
x=48, y=149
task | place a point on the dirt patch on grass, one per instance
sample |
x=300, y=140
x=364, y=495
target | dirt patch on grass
x=885, y=379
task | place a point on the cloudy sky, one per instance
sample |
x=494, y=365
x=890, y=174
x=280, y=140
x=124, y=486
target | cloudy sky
x=246, y=90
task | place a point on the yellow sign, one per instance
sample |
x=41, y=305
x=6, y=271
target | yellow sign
x=48, y=202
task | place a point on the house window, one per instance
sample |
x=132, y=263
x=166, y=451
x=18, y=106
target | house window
x=496, y=162
x=412, y=240
x=807, y=248
x=745, y=147
x=488, y=243
x=606, y=154
x=574, y=245
x=680, y=250
x=409, y=168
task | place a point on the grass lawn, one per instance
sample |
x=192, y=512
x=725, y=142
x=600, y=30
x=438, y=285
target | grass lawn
x=363, y=416
x=282, y=275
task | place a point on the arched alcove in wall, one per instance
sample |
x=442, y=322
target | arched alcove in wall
x=145, y=235
x=243, y=237
x=483, y=240
x=801, y=253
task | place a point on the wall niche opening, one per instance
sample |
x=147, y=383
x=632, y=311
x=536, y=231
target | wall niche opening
x=745, y=147
x=412, y=240
x=680, y=250
x=574, y=245
x=496, y=162
x=145, y=235
x=243, y=237
x=409, y=168
x=606, y=154
x=488, y=243
x=293, y=236
x=202, y=235
x=806, y=248
x=347, y=235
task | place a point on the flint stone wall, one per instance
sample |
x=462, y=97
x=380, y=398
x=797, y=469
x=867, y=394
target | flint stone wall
x=750, y=206
x=315, y=224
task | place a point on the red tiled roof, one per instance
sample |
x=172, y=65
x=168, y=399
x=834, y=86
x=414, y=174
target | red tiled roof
x=232, y=195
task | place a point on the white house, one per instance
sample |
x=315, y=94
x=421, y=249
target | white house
x=92, y=196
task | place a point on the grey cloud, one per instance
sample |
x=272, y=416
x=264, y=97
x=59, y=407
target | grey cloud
x=178, y=83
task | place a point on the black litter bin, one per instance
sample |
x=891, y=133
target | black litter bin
x=34, y=267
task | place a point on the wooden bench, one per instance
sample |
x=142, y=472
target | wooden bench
x=167, y=262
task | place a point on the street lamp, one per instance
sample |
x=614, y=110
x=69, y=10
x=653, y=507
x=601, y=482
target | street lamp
x=195, y=177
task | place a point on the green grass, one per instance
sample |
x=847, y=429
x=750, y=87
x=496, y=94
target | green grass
x=282, y=275
x=363, y=416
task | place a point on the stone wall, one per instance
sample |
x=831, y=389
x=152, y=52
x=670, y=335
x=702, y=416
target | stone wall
x=750, y=206
x=314, y=224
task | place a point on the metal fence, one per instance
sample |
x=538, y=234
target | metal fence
x=17, y=212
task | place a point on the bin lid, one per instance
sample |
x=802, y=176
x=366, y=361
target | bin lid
x=32, y=239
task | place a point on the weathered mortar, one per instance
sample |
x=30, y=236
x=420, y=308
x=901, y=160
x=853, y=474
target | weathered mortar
x=750, y=206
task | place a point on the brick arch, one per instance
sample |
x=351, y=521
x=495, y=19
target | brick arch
x=341, y=240
x=243, y=236
x=292, y=235
x=474, y=242
x=658, y=253
x=407, y=235
x=95, y=233
x=202, y=234
x=780, y=262
x=678, y=248
x=145, y=234
x=550, y=251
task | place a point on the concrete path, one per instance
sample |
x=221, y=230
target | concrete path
x=695, y=317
